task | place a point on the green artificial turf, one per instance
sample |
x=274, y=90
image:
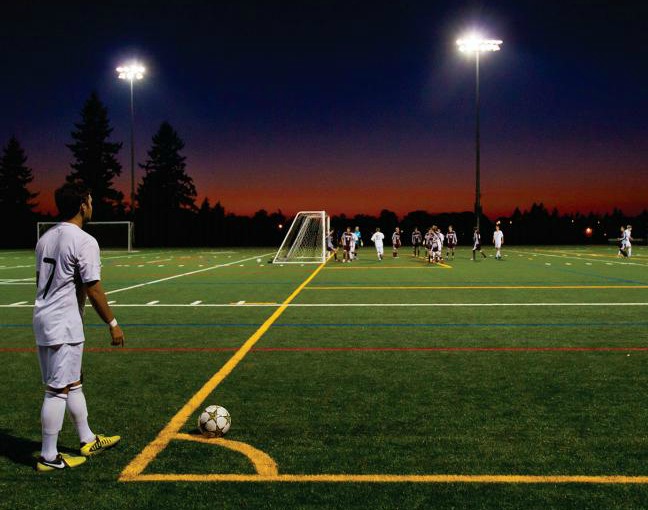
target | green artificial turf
x=384, y=386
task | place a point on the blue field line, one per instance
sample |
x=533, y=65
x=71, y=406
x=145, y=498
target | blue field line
x=624, y=324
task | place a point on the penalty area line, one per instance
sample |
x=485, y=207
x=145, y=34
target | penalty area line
x=148, y=454
x=187, y=274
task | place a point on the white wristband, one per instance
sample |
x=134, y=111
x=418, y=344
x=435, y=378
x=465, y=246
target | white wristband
x=113, y=323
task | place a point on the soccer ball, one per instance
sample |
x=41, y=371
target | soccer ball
x=258, y=261
x=214, y=421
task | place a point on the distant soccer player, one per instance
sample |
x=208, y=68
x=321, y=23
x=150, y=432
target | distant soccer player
x=627, y=240
x=358, y=243
x=329, y=245
x=68, y=269
x=417, y=240
x=396, y=242
x=428, y=242
x=441, y=238
x=498, y=241
x=347, y=243
x=452, y=242
x=477, y=244
x=377, y=238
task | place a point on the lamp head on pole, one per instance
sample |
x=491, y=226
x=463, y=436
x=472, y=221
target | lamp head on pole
x=131, y=72
x=474, y=43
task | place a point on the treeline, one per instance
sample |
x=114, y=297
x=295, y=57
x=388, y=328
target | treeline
x=166, y=214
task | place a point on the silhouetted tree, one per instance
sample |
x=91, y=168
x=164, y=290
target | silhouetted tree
x=16, y=201
x=95, y=161
x=166, y=195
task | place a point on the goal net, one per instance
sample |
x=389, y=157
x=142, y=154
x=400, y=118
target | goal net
x=305, y=241
x=109, y=234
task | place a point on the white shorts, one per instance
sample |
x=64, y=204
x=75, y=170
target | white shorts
x=498, y=246
x=60, y=364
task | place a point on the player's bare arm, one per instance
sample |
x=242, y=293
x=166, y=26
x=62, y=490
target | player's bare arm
x=97, y=297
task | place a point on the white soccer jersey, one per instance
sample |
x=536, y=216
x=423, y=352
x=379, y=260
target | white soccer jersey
x=498, y=237
x=627, y=237
x=66, y=258
x=377, y=239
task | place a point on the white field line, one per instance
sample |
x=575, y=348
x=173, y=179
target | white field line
x=134, y=254
x=185, y=274
x=16, y=283
x=159, y=260
x=342, y=305
x=16, y=267
x=576, y=257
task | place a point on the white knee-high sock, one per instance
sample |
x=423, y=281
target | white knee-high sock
x=52, y=415
x=78, y=411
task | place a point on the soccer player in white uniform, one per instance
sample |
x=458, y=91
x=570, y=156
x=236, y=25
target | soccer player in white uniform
x=441, y=238
x=68, y=269
x=377, y=238
x=627, y=238
x=498, y=241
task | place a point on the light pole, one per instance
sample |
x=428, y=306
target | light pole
x=132, y=72
x=474, y=44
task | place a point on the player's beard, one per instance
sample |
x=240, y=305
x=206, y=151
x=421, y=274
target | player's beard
x=86, y=217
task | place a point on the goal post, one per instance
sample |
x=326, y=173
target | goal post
x=109, y=234
x=305, y=241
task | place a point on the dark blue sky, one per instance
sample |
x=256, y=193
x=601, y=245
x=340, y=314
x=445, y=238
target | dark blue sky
x=348, y=106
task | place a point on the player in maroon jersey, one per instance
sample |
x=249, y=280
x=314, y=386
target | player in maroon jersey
x=347, y=240
x=451, y=240
x=396, y=242
x=417, y=240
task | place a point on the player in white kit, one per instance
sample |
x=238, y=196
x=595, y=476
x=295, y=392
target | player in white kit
x=377, y=238
x=68, y=269
x=498, y=241
x=627, y=241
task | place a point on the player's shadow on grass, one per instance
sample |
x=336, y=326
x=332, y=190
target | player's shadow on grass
x=18, y=449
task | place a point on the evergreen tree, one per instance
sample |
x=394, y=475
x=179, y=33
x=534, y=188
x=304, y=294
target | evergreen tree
x=16, y=201
x=166, y=186
x=15, y=198
x=166, y=196
x=95, y=162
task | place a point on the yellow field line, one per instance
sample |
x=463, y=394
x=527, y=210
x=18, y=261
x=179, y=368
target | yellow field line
x=474, y=287
x=351, y=266
x=344, y=478
x=263, y=463
x=139, y=463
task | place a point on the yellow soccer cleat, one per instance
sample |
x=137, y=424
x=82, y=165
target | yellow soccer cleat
x=99, y=444
x=62, y=461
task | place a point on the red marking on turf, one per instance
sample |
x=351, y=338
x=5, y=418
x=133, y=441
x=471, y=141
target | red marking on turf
x=348, y=349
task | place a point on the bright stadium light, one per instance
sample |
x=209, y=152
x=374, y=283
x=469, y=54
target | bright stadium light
x=474, y=44
x=132, y=72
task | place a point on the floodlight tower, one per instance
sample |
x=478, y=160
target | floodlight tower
x=132, y=72
x=474, y=45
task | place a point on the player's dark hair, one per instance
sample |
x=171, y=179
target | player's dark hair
x=69, y=198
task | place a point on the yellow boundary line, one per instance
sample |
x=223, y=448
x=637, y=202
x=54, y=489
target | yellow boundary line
x=350, y=267
x=344, y=478
x=263, y=463
x=474, y=287
x=139, y=463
